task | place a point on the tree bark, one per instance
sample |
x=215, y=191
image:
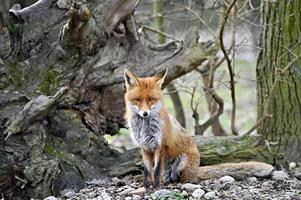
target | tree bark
x=280, y=44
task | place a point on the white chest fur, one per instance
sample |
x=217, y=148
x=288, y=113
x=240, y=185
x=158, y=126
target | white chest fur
x=146, y=132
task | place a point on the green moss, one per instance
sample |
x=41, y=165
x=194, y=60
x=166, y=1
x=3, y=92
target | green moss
x=49, y=81
x=15, y=74
x=53, y=153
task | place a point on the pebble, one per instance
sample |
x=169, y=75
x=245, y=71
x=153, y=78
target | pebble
x=198, y=193
x=140, y=191
x=126, y=191
x=128, y=198
x=292, y=165
x=115, y=179
x=279, y=175
x=136, y=197
x=210, y=195
x=226, y=179
x=159, y=194
x=252, y=179
x=105, y=196
x=190, y=187
x=69, y=194
x=51, y=198
x=266, y=184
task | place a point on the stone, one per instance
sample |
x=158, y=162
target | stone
x=297, y=172
x=210, y=195
x=266, y=184
x=136, y=197
x=279, y=175
x=104, y=196
x=140, y=191
x=64, y=4
x=251, y=179
x=128, y=198
x=51, y=198
x=292, y=165
x=69, y=194
x=226, y=179
x=198, y=193
x=126, y=191
x=159, y=194
x=115, y=179
x=190, y=187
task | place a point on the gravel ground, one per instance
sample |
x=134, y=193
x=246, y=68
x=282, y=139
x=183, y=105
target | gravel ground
x=129, y=188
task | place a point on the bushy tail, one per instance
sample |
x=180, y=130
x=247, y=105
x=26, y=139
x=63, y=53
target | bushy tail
x=237, y=170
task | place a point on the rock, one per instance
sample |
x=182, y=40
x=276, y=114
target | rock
x=159, y=194
x=297, y=172
x=198, y=193
x=128, y=198
x=69, y=194
x=190, y=187
x=251, y=179
x=115, y=179
x=226, y=179
x=64, y=4
x=292, y=165
x=126, y=191
x=51, y=198
x=279, y=175
x=140, y=191
x=184, y=193
x=104, y=196
x=136, y=197
x=266, y=184
x=210, y=195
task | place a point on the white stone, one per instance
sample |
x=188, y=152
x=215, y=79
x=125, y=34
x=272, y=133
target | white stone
x=292, y=165
x=279, y=175
x=51, y=198
x=210, y=195
x=105, y=196
x=69, y=194
x=198, y=193
x=64, y=4
x=115, y=179
x=126, y=191
x=159, y=194
x=226, y=179
x=136, y=197
x=252, y=179
x=190, y=187
x=128, y=198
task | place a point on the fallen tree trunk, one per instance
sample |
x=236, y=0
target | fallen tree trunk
x=213, y=150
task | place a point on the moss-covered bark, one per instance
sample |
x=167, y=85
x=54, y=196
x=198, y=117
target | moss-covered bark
x=280, y=42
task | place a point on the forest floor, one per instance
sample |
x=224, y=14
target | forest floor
x=129, y=188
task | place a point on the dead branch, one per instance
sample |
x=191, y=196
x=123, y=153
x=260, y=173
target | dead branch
x=230, y=69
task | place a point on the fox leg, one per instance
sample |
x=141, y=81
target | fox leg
x=158, y=168
x=178, y=165
x=148, y=158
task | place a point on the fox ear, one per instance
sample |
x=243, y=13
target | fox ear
x=161, y=76
x=130, y=79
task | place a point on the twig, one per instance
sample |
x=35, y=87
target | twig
x=159, y=32
x=270, y=97
x=232, y=81
x=198, y=17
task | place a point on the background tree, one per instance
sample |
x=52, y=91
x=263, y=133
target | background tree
x=279, y=77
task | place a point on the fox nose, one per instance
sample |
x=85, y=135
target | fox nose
x=145, y=114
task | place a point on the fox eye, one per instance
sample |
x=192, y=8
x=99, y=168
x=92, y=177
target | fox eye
x=149, y=99
x=137, y=99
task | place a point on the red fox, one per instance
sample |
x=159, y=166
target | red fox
x=169, y=154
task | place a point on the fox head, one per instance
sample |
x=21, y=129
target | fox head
x=144, y=95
